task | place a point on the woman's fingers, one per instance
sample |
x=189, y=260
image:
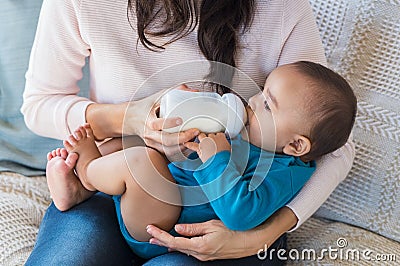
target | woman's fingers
x=171, y=139
x=173, y=153
x=165, y=239
x=162, y=123
x=204, y=242
x=195, y=229
x=138, y=113
x=202, y=136
x=167, y=150
x=185, y=88
x=192, y=146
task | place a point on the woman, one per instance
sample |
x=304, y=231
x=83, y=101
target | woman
x=127, y=42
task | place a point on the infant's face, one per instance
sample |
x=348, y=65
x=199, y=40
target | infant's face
x=276, y=114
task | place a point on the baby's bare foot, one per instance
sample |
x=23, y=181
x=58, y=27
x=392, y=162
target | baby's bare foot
x=65, y=188
x=83, y=143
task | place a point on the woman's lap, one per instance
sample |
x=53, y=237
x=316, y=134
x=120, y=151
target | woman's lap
x=89, y=234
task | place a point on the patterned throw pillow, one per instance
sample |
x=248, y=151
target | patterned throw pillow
x=362, y=42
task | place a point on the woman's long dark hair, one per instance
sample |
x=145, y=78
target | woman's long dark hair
x=220, y=23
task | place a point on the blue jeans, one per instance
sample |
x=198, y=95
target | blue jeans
x=89, y=234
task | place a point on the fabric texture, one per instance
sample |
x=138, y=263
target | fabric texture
x=23, y=202
x=362, y=41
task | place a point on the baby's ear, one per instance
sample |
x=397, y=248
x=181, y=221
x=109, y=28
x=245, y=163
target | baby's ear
x=298, y=147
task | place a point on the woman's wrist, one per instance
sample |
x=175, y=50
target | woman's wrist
x=279, y=223
x=106, y=120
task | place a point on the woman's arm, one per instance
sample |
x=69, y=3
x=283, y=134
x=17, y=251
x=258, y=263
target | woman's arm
x=300, y=37
x=331, y=170
x=51, y=106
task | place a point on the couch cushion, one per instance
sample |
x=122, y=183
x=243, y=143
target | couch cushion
x=362, y=40
x=20, y=149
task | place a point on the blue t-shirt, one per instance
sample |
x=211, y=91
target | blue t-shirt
x=242, y=188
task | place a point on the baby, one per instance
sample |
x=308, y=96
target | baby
x=307, y=107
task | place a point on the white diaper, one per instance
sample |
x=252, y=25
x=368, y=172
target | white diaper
x=207, y=111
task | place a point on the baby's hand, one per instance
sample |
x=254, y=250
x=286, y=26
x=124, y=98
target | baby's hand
x=209, y=145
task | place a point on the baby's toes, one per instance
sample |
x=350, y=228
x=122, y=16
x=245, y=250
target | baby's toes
x=83, y=131
x=78, y=134
x=72, y=140
x=64, y=153
x=89, y=131
x=71, y=160
x=67, y=145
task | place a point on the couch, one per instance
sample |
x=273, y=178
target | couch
x=358, y=224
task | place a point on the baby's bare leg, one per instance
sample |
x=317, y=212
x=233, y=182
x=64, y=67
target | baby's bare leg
x=117, y=144
x=141, y=206
x=111, y=174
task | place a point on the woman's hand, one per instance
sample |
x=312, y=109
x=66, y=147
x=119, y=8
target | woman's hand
x=209, y=145
x=139, y=118
x=212, y=240
x=208, y=241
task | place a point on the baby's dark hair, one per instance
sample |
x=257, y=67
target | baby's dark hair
x=332, y=107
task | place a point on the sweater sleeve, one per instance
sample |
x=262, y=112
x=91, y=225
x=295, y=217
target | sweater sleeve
x=233, y=198
x=331, y=170
x=51, y=106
